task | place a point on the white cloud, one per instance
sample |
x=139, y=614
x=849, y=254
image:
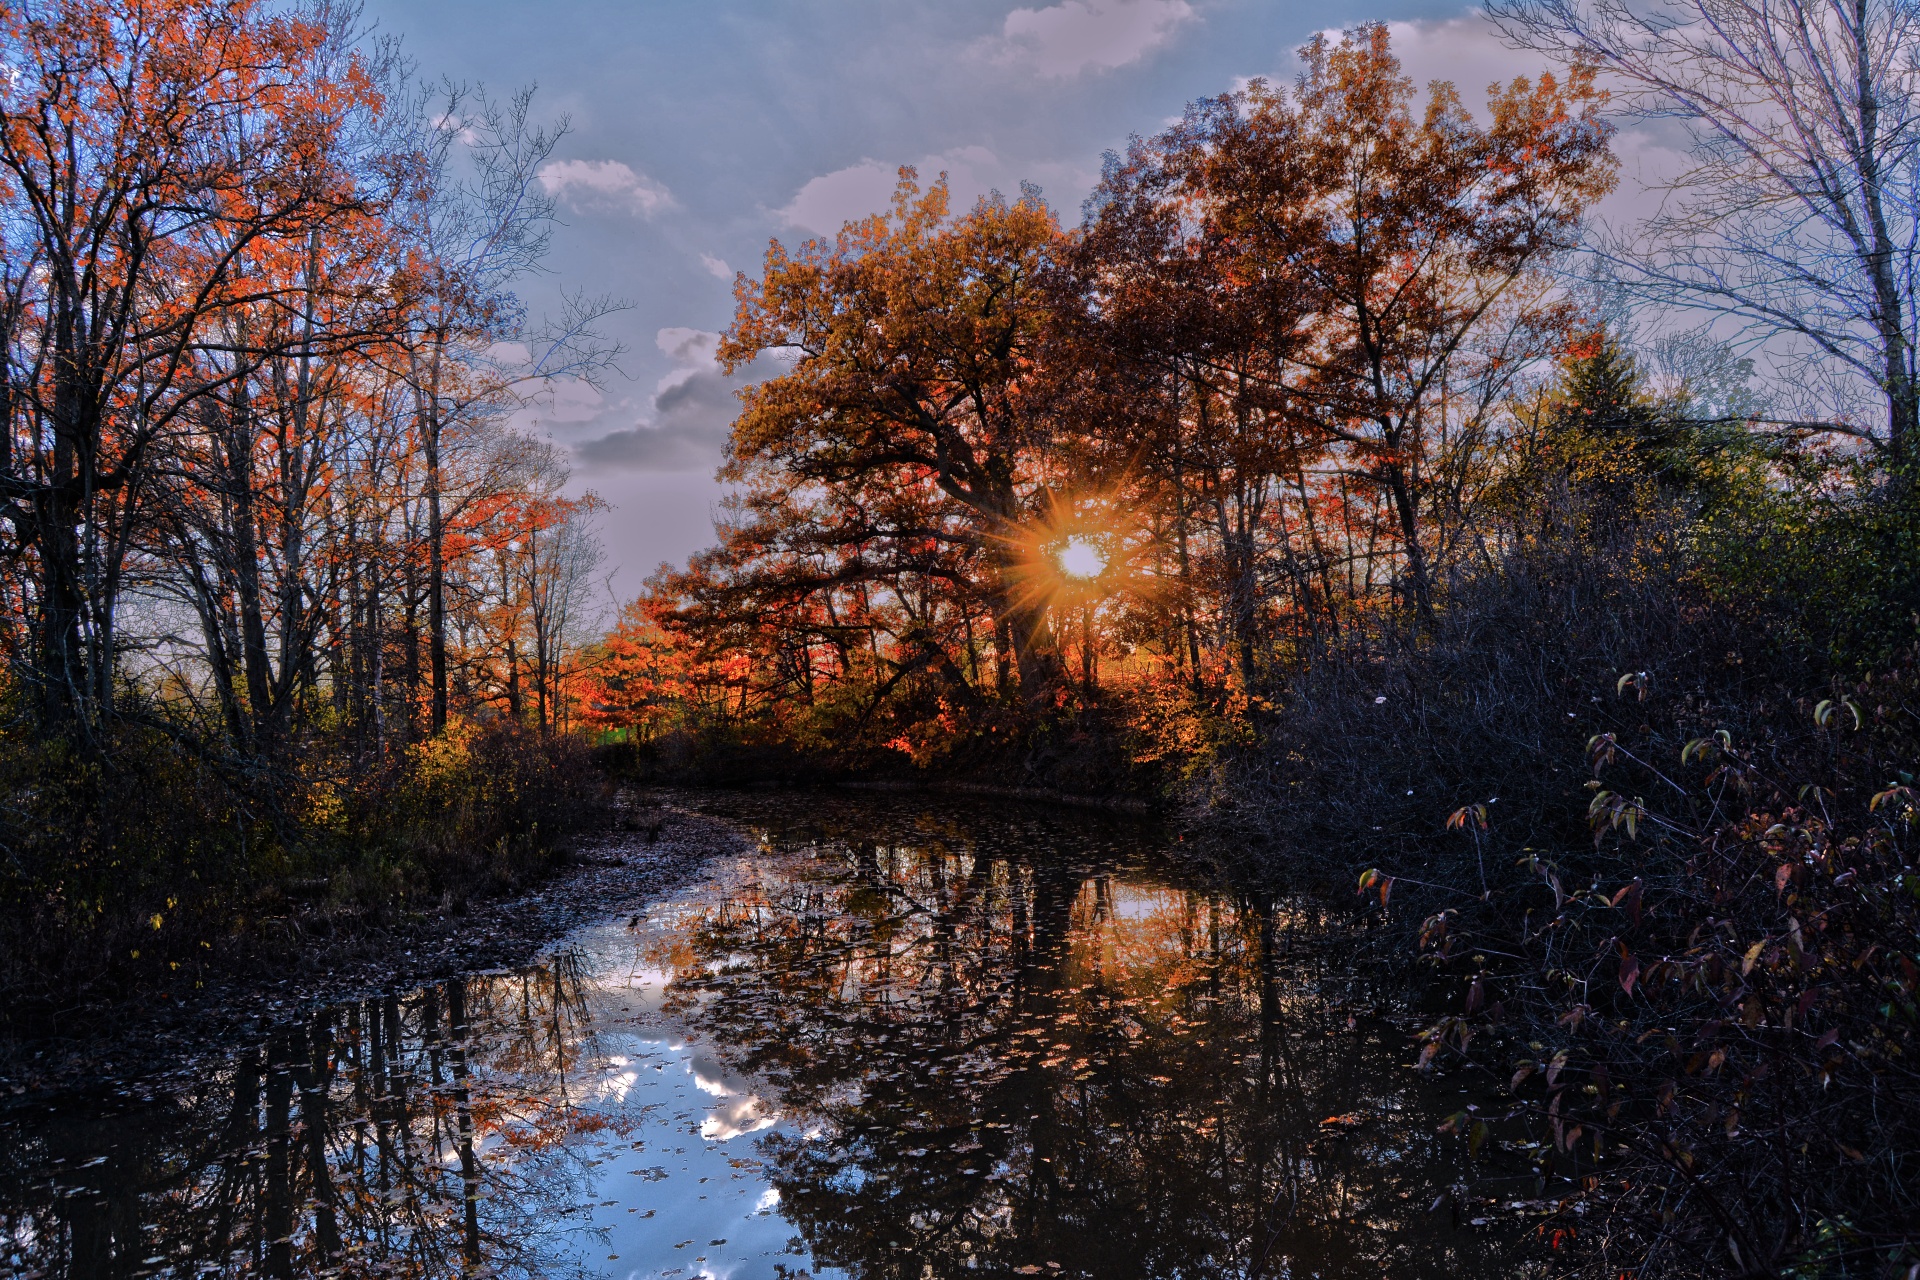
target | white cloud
x=1078, y=35
x=603, y=186
x=1463, y=49
x=447, y=122
x=716, y=267
x=844, y=195
x=827, y=202
x=514, y=355
x=563, y=402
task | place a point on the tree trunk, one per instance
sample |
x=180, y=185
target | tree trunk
x=1903, y=407
x=1026, y=627
x=436, y=593
x=428, y=407
x=1404, y=507
x=239, y=445
x=59, y=507
x=279, y=1162
x=513, y=680
x=463, y=1113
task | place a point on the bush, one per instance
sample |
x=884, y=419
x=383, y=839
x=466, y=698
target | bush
x=1654, y=845
x=1709, y=1003
x=138, y=863
x=111, y=858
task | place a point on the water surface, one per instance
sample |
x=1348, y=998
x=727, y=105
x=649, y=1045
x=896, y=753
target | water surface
x=901, y=1039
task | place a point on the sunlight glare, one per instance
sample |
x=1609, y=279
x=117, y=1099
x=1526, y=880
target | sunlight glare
x=1081, y=559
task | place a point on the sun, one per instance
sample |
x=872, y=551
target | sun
x=1080, y=558
x=1072, y=554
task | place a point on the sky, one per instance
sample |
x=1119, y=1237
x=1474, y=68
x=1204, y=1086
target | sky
x=700, y=129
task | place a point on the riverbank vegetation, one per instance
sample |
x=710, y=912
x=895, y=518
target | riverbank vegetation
x=1339, y=483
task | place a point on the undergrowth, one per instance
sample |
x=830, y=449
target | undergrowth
x=136, y=864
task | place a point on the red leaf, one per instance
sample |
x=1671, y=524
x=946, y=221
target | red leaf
x=1629, y=969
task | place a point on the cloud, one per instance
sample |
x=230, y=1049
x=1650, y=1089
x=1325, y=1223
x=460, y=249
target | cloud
x=564, y=402
x=685, y=426
x=603, y=186
x=844, y=195
x=1066, y=39
x=514, y=355
x=1464, y=49
x=691, y=347
x=827, y=202
x=716, y=267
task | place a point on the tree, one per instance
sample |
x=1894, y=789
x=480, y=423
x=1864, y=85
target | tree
x=1426, y=239
x=1264, y=381
x=916, y=339
x=1339, y=292
x=242, y=488
x=1180, y=336
x=637, y=676
x=479, y=221
x=1796, y=220
x=150, y=151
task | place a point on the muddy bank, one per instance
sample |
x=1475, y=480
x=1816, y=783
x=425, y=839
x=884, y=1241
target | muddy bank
x=150, y=1036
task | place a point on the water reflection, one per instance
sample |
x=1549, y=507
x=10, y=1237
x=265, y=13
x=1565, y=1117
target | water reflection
x=424, y=1134
x=1089, y=1065
x=898, y=1042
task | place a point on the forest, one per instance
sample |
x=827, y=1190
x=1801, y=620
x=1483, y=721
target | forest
x=1544, y=590
x=288, y=609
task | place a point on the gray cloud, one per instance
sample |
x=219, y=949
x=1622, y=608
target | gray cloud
x=651, y=448
x=688, y=416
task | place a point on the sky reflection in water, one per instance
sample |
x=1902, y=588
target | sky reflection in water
x=900, y=1041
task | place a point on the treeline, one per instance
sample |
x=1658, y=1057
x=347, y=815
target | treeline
x=272, y=564
x=1249, y=409
x=1306, y=484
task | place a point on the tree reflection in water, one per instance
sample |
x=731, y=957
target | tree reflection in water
x=416, y=1135
x=1014, y=1059
x=955, y=1044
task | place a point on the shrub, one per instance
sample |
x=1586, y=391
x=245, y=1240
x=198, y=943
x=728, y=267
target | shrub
x=138, y=862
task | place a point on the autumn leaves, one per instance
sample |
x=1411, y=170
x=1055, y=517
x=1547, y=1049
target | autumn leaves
x=1274, y=357
x=257, y=286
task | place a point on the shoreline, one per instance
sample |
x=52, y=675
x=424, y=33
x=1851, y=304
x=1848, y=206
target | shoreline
x=141, y=1038
x=1039, y=795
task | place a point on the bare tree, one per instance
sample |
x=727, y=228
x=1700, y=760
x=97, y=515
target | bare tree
x=483, y=223
x=1800, y=216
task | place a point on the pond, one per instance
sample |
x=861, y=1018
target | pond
x=901, y=1039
